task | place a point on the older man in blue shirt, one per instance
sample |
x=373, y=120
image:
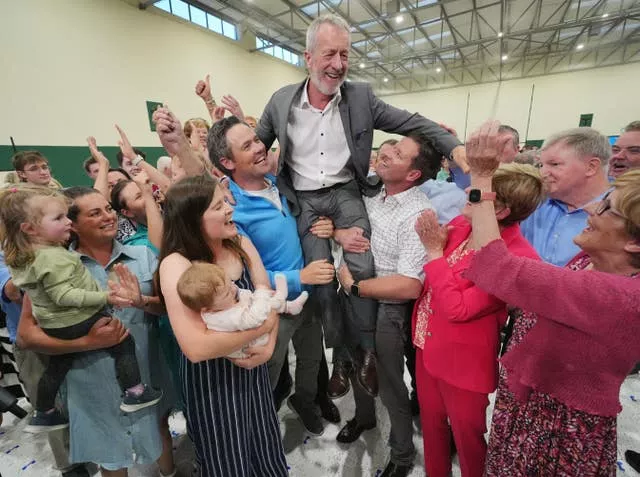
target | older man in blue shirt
x=574, y=171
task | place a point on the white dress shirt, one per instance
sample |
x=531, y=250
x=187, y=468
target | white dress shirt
x=318, y=145
x=395, y=245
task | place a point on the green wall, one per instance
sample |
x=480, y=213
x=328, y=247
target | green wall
x=66, y=161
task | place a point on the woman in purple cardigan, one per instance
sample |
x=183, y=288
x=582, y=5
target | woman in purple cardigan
x=556, y=413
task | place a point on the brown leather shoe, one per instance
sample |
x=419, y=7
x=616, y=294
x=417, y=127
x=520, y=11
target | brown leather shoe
x=367, y=373
x=339, y=382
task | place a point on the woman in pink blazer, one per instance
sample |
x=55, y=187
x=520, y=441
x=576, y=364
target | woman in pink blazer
x=456, y=326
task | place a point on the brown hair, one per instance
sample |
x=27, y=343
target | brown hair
x=22, y=159
x=88, y=162
x=18, y=205
x=200, y=283
x=628, y=204
x=185, y=203
x=195, y=122
x=519, y=187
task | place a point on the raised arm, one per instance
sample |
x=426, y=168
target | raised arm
x=107, y=332
x=203, y=90
x=101, y=184
x=555, y=293
x=195, y=340
x=152, y=211
x=394, y=120
x=174, y=141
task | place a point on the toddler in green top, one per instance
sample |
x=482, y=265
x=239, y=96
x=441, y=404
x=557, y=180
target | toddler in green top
x=66, y=300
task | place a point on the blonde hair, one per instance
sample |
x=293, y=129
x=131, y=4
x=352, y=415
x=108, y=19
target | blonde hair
x=195, y=122
x=628, y=204
x=519, y=187
x=200, y=283
x=19, y=205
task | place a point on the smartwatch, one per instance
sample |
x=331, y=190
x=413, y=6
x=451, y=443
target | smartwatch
x=476, y=196
x=355, y=289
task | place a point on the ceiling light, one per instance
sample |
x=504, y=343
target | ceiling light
x=438, y=70
x=580, y=46
x=500, y=34
x=362, y=66
x=385, y=79
x=605, y=15
x=399, y=18
x=505, y=57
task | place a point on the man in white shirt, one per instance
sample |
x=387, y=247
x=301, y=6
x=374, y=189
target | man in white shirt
x=325, y=130
x=399, y=257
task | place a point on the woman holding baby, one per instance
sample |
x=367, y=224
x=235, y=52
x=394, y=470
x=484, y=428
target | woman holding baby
x=230, y=414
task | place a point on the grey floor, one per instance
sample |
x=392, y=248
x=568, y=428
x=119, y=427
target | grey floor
x=26, y=455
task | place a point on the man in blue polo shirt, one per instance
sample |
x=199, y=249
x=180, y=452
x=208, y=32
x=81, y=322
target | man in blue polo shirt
x=574, y=171
x=264, y=216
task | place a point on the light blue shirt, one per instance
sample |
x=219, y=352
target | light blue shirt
x=100, y=432
x=446, y=198
x=11, y=310
x=461, y=179
x=551, y=229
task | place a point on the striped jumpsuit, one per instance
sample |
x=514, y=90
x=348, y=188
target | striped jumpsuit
x=231, y=418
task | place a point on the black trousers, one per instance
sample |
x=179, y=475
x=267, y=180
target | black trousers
x=124, y=354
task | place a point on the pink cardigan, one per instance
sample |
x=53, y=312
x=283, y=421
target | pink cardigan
x=585, y=341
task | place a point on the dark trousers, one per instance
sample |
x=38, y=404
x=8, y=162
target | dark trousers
x=392, y=334
x=123, y=353
x=285, y=380
x=343, y=204
x=305, y=331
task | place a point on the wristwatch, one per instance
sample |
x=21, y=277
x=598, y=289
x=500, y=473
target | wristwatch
x=137, y=160
x=476, y=196
x=355, y=288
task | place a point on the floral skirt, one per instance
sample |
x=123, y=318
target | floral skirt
x=543, y=438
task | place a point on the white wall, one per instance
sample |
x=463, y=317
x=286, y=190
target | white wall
x=71, y=68
x=611, y=94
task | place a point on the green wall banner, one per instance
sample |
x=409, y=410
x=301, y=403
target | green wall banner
x=66, y=161
x=585, y=120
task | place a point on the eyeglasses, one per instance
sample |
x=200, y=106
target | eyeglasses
x=605, y=205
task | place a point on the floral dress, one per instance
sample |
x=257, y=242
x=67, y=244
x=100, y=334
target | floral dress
x=543, y=437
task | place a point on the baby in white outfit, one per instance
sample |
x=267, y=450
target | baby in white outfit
x=206, y=289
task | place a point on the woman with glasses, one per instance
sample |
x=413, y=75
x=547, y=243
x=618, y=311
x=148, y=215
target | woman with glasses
x=557, y=401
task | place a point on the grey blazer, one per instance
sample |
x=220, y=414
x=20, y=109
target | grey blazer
x=361, y=112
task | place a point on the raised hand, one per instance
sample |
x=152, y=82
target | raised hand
x=484, y=148
x=169, y=130
x=232, y=105
x=125, y=146
x=129, y=285
x=432, y=235
x=95, y=153
x=203, y=88
x=194, y=139
x=217, y=114
x=142, y=179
